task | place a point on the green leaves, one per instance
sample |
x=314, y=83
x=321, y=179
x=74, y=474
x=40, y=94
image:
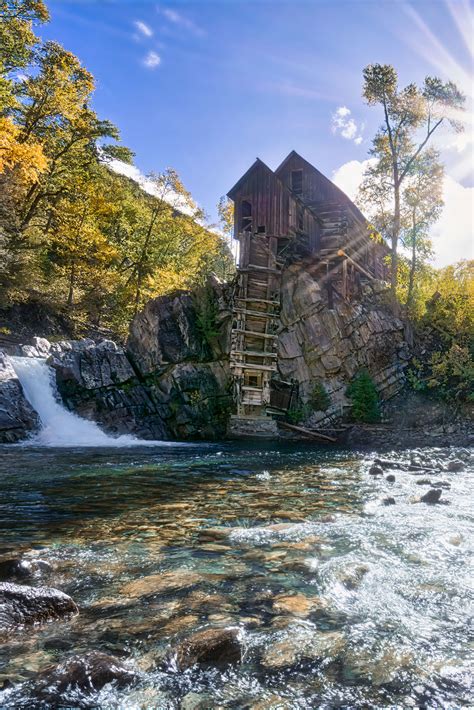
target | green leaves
x=364, y=398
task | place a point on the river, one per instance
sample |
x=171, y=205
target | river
x=341, y=601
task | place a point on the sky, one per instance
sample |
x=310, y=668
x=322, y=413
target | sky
x=206, y=86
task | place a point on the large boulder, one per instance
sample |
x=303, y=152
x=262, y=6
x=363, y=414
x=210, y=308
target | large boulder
x=21, y=606
x=18, y=419
x=85, y=674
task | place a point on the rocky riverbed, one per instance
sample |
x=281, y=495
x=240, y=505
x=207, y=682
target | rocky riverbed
x=275, y=576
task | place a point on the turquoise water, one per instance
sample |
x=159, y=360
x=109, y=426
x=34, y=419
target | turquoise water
x=341, y=601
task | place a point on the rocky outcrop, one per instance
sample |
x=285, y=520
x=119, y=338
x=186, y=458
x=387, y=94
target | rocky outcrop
x=170, y=382
x=17, y=418
x=21, y=606
x=331, y=345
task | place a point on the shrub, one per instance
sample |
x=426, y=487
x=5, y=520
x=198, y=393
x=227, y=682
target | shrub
x=319, y=398
x=364, y=397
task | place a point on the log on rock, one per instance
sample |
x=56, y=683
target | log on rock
x=307, y=432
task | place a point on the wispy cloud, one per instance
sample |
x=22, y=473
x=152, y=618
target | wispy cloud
x=143, y=28
x=344, y=125
x=152, y=60
x=287, y=88
x=182, y=21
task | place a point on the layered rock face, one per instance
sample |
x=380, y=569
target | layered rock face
x=172, y=380
x=17, y=417
x=330, y=346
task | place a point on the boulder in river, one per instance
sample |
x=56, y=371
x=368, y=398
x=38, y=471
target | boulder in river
x=376, y=470
x=21, y=605
x=455, y=466
x=389, y=500
x=432, y=496
x=19, y=568
x=88, y=674
x=213, y=647
x=390, y=478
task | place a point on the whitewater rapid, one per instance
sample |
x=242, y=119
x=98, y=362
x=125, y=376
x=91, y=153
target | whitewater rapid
x=59, y=426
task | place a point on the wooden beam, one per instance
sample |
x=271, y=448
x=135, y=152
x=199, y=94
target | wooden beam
x=341, y=252
x=262, y=314
x=252, y=366
x=307, y=432
x=255, y=353
x=258, y=300
x=256, y=267
x=253, y=333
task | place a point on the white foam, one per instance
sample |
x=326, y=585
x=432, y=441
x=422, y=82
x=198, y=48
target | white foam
x=59, y=426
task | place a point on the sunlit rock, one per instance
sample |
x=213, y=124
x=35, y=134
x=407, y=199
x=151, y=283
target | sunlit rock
x=21, y=606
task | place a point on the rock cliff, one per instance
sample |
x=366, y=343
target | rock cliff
x=172, y=379
x=17, y=417
x=331, y=345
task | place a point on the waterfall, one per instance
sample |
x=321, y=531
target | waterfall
x=59, y=426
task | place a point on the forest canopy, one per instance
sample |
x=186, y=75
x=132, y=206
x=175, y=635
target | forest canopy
x=74, y=233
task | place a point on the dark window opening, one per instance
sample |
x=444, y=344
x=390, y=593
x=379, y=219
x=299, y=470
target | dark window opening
x=297, y=182
x=300, y=220
x=253, y=381
x=261, y=229
x=246, y=216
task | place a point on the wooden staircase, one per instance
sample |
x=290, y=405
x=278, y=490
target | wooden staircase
x=253, y=353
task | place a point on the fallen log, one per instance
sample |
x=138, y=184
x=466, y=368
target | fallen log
x=307, y=432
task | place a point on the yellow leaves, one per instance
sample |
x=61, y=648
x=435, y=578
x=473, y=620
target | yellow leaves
x=27, y=160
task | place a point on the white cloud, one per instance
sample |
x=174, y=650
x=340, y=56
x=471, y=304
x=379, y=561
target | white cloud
x=344, y=125
x=452, y=234
x=152, y=60
x=177, y=18
x=143, y=28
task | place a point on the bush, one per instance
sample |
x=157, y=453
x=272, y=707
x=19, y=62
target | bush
x=319, y=398
x=364, y=397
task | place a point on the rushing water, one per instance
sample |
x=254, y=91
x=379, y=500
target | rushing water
x=341, y=601
x=61, y=427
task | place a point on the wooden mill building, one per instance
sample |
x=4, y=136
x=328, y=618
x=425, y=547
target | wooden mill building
x=292, y=214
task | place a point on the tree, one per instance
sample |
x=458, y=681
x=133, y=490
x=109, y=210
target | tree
x=423, y=203
x=410, y=118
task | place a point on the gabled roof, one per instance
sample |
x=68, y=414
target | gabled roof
x=257, y=164
x=334, y=188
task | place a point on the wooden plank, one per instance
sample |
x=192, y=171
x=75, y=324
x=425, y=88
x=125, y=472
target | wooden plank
x=251, y=366
x=253, y=333
x=258, y=300
x=256, y=267
x=262, y=314
x=255, y=353
x=307, y=432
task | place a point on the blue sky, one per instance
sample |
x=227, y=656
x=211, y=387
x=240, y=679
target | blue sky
x=205, y=86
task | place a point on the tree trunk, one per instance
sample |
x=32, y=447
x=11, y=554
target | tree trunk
x=72, y=281
x=395, y=237
x=411, y=280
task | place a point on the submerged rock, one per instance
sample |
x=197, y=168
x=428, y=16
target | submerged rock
x=390, y=478
x=21, y=605
x=455, y=466
x=88, y=674
x=216, y=647
x=389, y=500
x=376, y=470
x=301, y=646
x=160, y=583
x=297, y=604
x=351, y=577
